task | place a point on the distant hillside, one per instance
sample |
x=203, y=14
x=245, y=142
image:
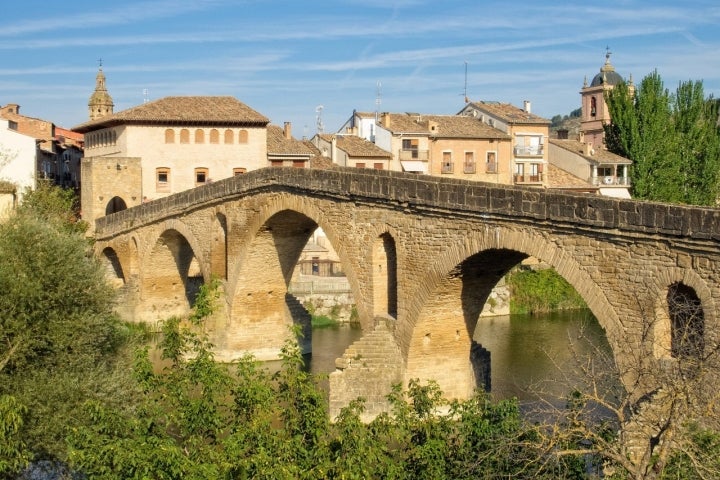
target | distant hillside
x=569, y=122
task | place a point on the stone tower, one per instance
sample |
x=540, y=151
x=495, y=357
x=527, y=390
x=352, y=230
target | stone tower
x=100, y=103
x=595, y=112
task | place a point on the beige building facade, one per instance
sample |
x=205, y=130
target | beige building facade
x=528, y=132
x=167, y=146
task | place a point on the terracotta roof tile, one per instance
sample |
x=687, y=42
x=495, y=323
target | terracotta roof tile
x=510, y=113
x=279, y=145
x=446, y=126
x=600, y=155
x=357, y=147
x=205, y=110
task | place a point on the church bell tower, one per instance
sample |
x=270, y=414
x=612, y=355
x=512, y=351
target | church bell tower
x=100, y=103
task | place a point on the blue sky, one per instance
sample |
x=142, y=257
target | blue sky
x=287, y=58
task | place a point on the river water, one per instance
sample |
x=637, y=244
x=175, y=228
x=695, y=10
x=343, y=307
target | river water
x=529, y=354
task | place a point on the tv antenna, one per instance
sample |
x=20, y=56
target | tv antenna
x=145, y=95
x=318, y=118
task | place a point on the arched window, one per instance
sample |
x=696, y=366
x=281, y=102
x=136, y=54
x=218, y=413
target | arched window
x=199, y=136
x=593, y=106
x=184, y=135
x=214, y=136
x=243, y=136
x=229, y=136
x=115, y=204
x=169, y=135
x=687, y=322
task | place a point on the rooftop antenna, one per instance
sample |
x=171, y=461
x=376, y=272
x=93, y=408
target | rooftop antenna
x=318, y=118
x=465, y=89
x=378, y=100
x=145, y=95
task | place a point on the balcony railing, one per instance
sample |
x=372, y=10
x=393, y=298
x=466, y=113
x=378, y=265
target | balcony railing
x=611, y=180
x=469, y=167
x=527, y=179
x=414, y=154
x=528, y=151
x=447, y=167
x=491, y=167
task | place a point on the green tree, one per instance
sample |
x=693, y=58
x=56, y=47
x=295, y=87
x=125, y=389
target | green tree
x=673, y=140
x=58, y=335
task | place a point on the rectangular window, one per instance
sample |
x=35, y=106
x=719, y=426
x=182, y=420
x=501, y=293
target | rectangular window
x=359, y=165
x=276, y=163
x=201, y=176
x=299, y=163
x=469, y=164
x=411, y=145
x=162, y=179
x=378, y=166
x=239, y=171
x=447, y=164
x=491, y=162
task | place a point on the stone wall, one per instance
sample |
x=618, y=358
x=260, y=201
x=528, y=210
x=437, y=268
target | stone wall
x=452, y=241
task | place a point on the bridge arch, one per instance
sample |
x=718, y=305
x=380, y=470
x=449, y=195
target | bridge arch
x=174, y=275
x=437, y=335
x=262, y=258
x=113, y=269
x=384, y=275
x=683, y=296
x=115, y=204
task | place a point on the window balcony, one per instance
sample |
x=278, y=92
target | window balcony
x=611, y=181
x=414, y=154
x=469, y=167
x=491, y=167
x=447, y=167
x=528, y=151
x=528, y=179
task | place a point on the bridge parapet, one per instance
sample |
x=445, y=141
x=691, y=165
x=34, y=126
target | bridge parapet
x=433, y=195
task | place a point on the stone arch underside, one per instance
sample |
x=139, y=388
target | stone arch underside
x=437, y=336
x=263, y=247
x=115, y=204
x=384, y=276
x=171, y=278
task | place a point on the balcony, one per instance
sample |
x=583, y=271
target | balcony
x=528, y=151
x=610, y=180
x=491, y=167
x=414, y=154
x=528, y=179
x=447, y=167
x=469, y=167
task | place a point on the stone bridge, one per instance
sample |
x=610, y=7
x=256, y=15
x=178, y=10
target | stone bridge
x=421, y=254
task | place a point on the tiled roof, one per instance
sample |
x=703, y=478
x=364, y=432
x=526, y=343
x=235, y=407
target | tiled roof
x=559, y=178
x=279, y=145
x=357, y=147
x=448, y=126
x=510, y=113
x=600, y=155
x=318, y=160
x=220, y=110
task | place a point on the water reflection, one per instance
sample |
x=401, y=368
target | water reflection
x=532, y=353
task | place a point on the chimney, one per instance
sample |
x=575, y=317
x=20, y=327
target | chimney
x=527, y=106
x=386, y=120
x=333, y=148
x=286, y=130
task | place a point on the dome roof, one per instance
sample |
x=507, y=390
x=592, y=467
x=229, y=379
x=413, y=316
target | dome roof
x=607, y=75
x=100, y=96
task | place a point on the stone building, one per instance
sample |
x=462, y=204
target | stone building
x=528, y=133
x=352, y=151
x=595, y=113
x=167, y=146
x=58, y=150
x=18, y=158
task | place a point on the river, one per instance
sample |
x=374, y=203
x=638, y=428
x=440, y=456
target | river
x=529, y=354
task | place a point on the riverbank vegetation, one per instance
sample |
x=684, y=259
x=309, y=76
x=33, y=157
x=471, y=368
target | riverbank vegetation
x=541, y=290
x=78, y=389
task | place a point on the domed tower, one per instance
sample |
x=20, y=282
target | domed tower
x=595, y=112
x=100, y=103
